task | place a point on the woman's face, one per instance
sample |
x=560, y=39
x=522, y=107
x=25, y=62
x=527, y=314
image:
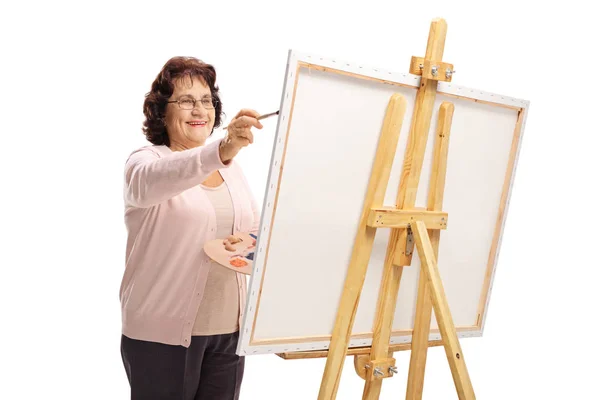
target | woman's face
x=189, y=128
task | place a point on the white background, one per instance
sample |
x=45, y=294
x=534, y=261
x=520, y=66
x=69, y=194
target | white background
x=73, y=79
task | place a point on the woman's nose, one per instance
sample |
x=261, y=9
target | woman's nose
x=199, y=109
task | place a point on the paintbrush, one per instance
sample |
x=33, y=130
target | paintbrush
x=263, y=116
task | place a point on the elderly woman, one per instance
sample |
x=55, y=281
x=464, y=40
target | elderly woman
x=181, y=312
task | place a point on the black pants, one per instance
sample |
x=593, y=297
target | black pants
x=207, y=370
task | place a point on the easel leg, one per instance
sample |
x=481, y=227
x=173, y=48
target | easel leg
x=420, y=341
x=443, y=316
x=361, y=252
x=382, y=331
x=420, y=336
x=372, y=389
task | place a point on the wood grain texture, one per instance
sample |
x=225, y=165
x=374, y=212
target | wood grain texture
x=485, y=290
x=421, y=330
x=418, y=354
x=443, y=316
x=360, y=365
x=358, y=336
x=405, y=200
x=374, y=381
x=321, y=68
x=489, y=103
x=363, y=244
x=392, y=218
x=356, y=351
x=421, y=66
x=417, y=140
x=287, y=135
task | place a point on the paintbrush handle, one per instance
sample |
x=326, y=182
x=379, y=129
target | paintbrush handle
x=267, y=115
x=262, y=117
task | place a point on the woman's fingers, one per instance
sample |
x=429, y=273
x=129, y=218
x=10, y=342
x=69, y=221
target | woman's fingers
x=229, y=242
x=232, y=239
x=229, y=247
x=239, y=132
x=246, y=136
x=245, y=121
x=248, y=112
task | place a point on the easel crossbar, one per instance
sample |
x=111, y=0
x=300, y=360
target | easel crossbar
x=387, y=217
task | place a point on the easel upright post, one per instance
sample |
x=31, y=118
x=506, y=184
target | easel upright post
x=409, y=225
x=420, y=335
x=419, y=131
x=397, y=256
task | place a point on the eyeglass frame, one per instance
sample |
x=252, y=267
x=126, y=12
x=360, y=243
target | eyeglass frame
x=213, y=102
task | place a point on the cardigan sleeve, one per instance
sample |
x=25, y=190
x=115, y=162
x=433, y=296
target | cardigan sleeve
x=151, y=178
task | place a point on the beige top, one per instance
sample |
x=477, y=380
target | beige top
x=219, y=309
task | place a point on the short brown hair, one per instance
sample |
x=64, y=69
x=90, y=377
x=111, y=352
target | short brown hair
x=162, y=88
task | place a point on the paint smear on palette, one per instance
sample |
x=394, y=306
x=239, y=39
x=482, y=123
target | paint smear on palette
x=246, y=256
x=236, y=253
x=238, y=262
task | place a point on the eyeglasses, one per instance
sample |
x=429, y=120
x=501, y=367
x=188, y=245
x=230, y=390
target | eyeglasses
x=188, y=103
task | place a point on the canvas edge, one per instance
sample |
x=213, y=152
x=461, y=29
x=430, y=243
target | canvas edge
x=255, y=282
x=324, y=345
x=505, y=217
x=409, y=79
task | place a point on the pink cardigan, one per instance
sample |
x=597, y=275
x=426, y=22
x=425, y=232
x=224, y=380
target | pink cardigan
x=168, y=219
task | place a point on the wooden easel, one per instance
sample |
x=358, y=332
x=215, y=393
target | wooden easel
x=409, y=226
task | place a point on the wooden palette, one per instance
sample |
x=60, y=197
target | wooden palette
x=238, y=255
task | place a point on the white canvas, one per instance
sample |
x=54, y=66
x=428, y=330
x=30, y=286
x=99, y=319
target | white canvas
x=329, y=125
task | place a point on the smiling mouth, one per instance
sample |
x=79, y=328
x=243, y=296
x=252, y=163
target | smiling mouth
x=197, y=123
